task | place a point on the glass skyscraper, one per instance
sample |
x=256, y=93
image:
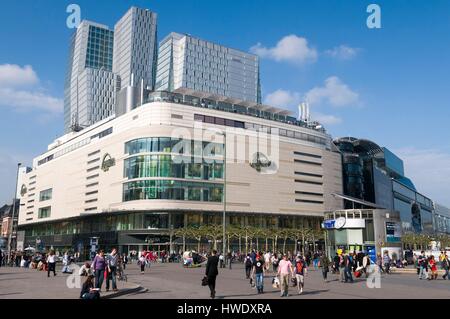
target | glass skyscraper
x=89, y=93
x=188, y=63
x=135, y=48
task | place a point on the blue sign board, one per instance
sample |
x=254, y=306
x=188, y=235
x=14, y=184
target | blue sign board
x=329, y=224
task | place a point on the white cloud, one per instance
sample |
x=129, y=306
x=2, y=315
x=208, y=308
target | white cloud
x=429, y=169
x=290, y=48
x=283, y=98
x=335, y=93
x=342, y=52
x=326, y=119
x=12, y=75
x=19, y=89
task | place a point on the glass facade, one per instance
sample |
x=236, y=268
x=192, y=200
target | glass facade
x=165, y=166
x=172, y=190
x=100, y=48
x=172, y=145
x=173, y=165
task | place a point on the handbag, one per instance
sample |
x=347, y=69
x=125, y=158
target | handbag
x=205, y=281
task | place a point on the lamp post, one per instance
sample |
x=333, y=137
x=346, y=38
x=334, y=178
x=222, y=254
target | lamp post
x=224, y=191
x=13, y=213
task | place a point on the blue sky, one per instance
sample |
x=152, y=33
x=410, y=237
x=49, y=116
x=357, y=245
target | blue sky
x=389, y=85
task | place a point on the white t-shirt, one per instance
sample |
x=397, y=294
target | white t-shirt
x=51, y=258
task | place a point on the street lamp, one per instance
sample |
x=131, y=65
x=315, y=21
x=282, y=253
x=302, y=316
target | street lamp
x=13, y=213
x=224, y=190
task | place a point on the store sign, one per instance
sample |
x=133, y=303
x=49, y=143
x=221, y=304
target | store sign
x=107, y=162
x=259, y=161
x=393, y=232
x=344, y=223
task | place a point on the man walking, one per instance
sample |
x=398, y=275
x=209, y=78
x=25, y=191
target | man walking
x=325, y=264
x=284, y=267
x=422, y=266
x=445, y=265
x=300, y=270
x=348, y=268
x=386, y=262
x=112, y=261
x=259, y=271
x=248, y=266
x=212, y=272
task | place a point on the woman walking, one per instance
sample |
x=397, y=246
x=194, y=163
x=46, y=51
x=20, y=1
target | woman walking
x=99, y=267
x=51, y=263
x=141, y=263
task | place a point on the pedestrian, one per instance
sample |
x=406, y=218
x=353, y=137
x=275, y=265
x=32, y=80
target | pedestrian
x=230, y=258
x=66, y=258
x=316, y=260
x=348, y=268
x=422, y=262
x=112, y=261
x=85, y=270
x=51, y=262
x=366, y=264
x=248, y=266
x=275, y=263
x=88, y=291
x=386, y=262
x=445, y=264
x=341, y=268
x=284, y=267
x=222, y=260
x=99, y=267
x=124, y=260
x=212, y=272
x=1, y=257
x=325, y=264
x=433, y=268
x=300, y=271
x=259, y=271
x=141, y=262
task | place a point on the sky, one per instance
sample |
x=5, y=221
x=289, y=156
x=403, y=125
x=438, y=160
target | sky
x=388, y=84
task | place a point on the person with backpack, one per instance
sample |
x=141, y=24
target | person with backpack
x=259, y=271
x=325, y=264
x=248, y=266
x=348, y=268
x=300, y=271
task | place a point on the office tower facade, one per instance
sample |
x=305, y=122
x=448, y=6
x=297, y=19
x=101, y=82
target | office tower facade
x=134, y=58
x=89, y=92
x=187, y=63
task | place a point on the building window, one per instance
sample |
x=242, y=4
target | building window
x=44, y=212
x=45, y=195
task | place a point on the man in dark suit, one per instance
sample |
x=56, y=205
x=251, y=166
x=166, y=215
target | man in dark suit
x=212, y=272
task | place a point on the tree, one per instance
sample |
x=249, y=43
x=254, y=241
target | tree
x=213, y=233
x=183, y=233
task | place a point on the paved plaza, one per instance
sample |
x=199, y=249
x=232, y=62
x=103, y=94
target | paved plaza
x=168, y=281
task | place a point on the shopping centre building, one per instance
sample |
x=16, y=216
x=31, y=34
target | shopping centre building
x=134, y=179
